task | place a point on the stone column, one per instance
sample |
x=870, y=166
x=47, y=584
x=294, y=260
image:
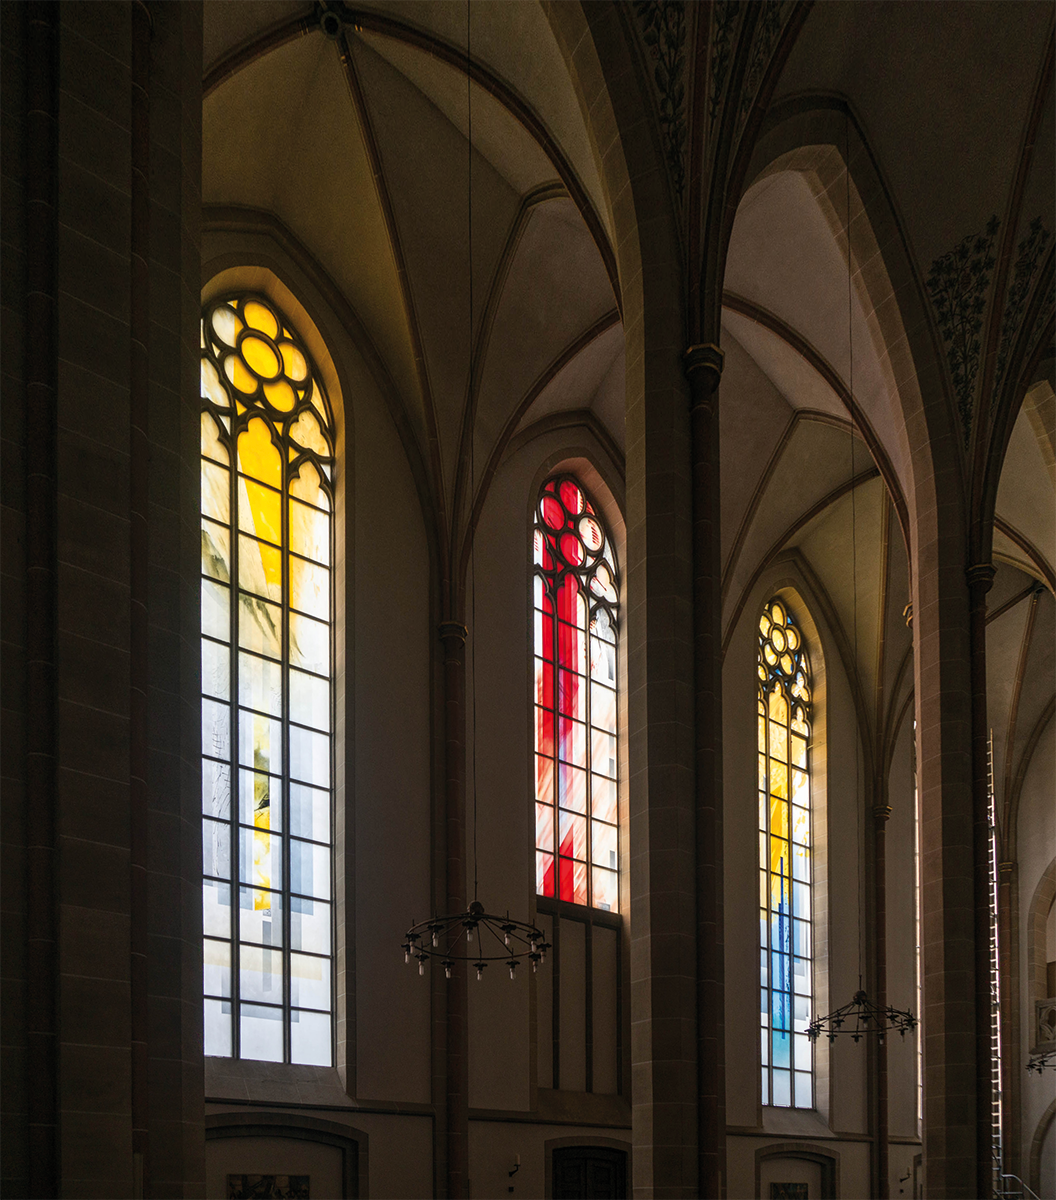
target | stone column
x=881, y=813
x=703, y=365
x=980, y=579
x=456, y=1102
x=943, y=689
x=663, y=923
x=41, y=997
x=139, y=589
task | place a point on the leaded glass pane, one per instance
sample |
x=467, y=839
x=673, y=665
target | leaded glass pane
x=309, y=981
x=784, y=858
x=310, y=1038
x=266, y=521
x=218, y=1028
x=575, y=593
x=216, y=610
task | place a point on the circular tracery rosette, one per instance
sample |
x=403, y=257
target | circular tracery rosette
x=571, y=539
x=782, y=657
x=253, y=365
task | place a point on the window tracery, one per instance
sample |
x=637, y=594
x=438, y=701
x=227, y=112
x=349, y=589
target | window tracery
x=785, y=841
x=576, y=594
x=267, y=688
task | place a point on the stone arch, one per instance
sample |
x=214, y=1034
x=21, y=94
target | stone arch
x=585, y=1141
x=321, y=332
x=351, y=1143
x=828, y=1160
x=1045, y=1124
x=1037, y=915
x=815, y=136
x=786, y=579
x=934, y=485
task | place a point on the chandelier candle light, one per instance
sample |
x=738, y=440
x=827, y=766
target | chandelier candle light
x=862, y=1017
x=440, y=938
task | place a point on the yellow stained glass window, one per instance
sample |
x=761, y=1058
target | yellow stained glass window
x=267, y=659
x=786, y=966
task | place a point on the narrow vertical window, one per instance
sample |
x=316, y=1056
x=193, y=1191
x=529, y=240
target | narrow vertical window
x=785, y=957
x=267, y=691
x=576, y=593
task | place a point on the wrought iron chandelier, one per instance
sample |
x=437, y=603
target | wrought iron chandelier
x=466, y=937
x=861, y=1018
x=442, y=938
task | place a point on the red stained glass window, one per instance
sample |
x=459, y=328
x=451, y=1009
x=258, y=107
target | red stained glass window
x=576, y=594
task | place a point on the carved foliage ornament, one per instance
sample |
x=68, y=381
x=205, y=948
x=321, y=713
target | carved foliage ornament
x=663, y=29
x=957, y=284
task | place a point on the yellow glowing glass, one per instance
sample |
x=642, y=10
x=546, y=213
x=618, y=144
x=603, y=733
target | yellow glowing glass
x=261, y=317
x=778, y=742
x=778, y=779
x=258, y=456
x=259, y=510
x=778, y=707
x=293, y=360
x=235, y=370
x=779, y=818
x=281, y=396
x=260, y=357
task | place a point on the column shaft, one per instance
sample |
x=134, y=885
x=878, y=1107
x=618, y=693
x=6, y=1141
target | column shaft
x=703, y=369
x=139, y=585
x=456, y=1137
x=980, y=579
x=42, y=1000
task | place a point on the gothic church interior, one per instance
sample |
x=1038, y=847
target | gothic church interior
x=594, y=459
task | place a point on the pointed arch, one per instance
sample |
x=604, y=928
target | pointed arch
x=268, y=696
x=785, y=710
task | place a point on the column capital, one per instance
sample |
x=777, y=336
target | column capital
x=453, y=630
x=881, y=812
x=980, y=575
x=704, y=356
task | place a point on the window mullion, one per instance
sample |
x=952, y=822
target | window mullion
x=233, y=793
x=284, y=792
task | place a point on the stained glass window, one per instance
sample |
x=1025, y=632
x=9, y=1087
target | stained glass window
x=576, y=593
x=267, y=691
x=786, y=991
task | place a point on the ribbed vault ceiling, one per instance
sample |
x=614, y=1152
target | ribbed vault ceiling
x=366, y=161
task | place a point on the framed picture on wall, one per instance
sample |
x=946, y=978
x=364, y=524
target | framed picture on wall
x=268, y=1187
x=789, y=1191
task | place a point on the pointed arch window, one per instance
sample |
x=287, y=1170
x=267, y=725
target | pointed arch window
x=576, y=593
x=267, y=688
x=785, y=935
